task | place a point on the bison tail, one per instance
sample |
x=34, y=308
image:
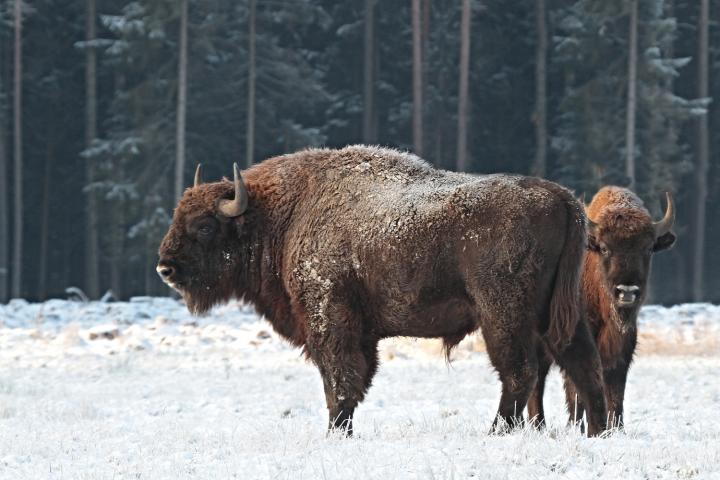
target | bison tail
x=566, y=302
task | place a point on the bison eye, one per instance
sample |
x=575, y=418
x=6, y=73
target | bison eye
x=604, y=251
x=206, y=230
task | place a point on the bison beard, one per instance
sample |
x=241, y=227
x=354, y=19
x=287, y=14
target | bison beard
x=339, y=249
x=622, y=239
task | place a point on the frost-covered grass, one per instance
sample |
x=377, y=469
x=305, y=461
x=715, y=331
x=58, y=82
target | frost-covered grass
x=157, y=394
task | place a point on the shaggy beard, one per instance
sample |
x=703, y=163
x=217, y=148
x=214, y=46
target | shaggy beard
x=200, y=301
x=196, y=306
x=624, y=318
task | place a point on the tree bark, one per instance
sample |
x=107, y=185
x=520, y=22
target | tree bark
x=701, y=169
x=440, y=122
x=425, y=51
x=417, y=80
x=463, y=100
x=92, y=260
x=541, y=91
x=4, y=213
x=631, y=100
x=369, y=132
x=181, y=103
x=44, y=219
x=117, y=247
x=18, y=160
x=250, y=133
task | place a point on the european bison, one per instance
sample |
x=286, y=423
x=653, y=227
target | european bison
x=339, y=249
x=621, y=241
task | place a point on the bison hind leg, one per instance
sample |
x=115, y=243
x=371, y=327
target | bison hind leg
x=536, y=410
x=515, y=360
x=581, y=365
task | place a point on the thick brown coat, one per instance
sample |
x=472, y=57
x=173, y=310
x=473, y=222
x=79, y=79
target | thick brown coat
x=341, y=248
x=621, y=240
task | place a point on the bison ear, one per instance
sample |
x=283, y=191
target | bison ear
x=592, y=243
x=664, y=242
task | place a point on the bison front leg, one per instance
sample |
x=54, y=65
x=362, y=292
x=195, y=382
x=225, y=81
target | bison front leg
x=347, y=361
x=615, y=381
x=580, y=362
x=340, y=402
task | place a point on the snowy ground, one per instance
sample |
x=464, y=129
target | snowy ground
x=143, y=390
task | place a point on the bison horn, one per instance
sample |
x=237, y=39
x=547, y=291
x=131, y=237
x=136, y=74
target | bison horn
x=198, y=175
x=663, y=226
x=238, y=205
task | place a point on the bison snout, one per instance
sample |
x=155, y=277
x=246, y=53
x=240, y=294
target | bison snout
x=165, y=271
x=627, y=295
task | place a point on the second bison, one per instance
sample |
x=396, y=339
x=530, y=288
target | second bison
x=339, y=249
x=622, y=239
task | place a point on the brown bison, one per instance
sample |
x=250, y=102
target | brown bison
x=621, y=241
x=339, y=249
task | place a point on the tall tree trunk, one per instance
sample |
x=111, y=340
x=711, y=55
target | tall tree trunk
x=117, y=256
x=541, y=91
x=425, y=36
x=250, y=133
x=92, y=258
x=703, y=155
x=369, y=132
x=17, y=106
x=4, y=213
x=440, y=122
x=463, y=101
x=116, y=235
x=417, y=79
x=44, y=219
x=181, y=103
x=425, y=53
x=632, y=90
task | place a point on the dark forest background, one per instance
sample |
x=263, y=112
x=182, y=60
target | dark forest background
x=107, y=106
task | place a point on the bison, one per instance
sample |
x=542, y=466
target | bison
x=339, y=249
x=621, y=241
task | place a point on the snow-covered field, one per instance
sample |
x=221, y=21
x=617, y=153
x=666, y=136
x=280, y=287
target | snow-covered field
x=142, y=390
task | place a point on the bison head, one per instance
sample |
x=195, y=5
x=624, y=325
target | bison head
x=201, y=255
x=624, y=239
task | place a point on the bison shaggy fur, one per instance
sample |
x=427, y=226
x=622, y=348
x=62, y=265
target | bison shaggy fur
x=339, y=249
x=622, y=239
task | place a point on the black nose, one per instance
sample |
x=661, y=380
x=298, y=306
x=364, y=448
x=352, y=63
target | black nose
x=165, y=271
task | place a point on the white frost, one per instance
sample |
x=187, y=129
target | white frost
x=170, y=396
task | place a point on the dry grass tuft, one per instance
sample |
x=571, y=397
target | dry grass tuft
x=703, y=341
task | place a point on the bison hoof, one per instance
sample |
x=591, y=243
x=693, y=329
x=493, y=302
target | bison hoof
x=502, y=426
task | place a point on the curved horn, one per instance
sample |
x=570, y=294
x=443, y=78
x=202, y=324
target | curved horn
x=238, y=205
x=198, y=175
x=663, y=226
